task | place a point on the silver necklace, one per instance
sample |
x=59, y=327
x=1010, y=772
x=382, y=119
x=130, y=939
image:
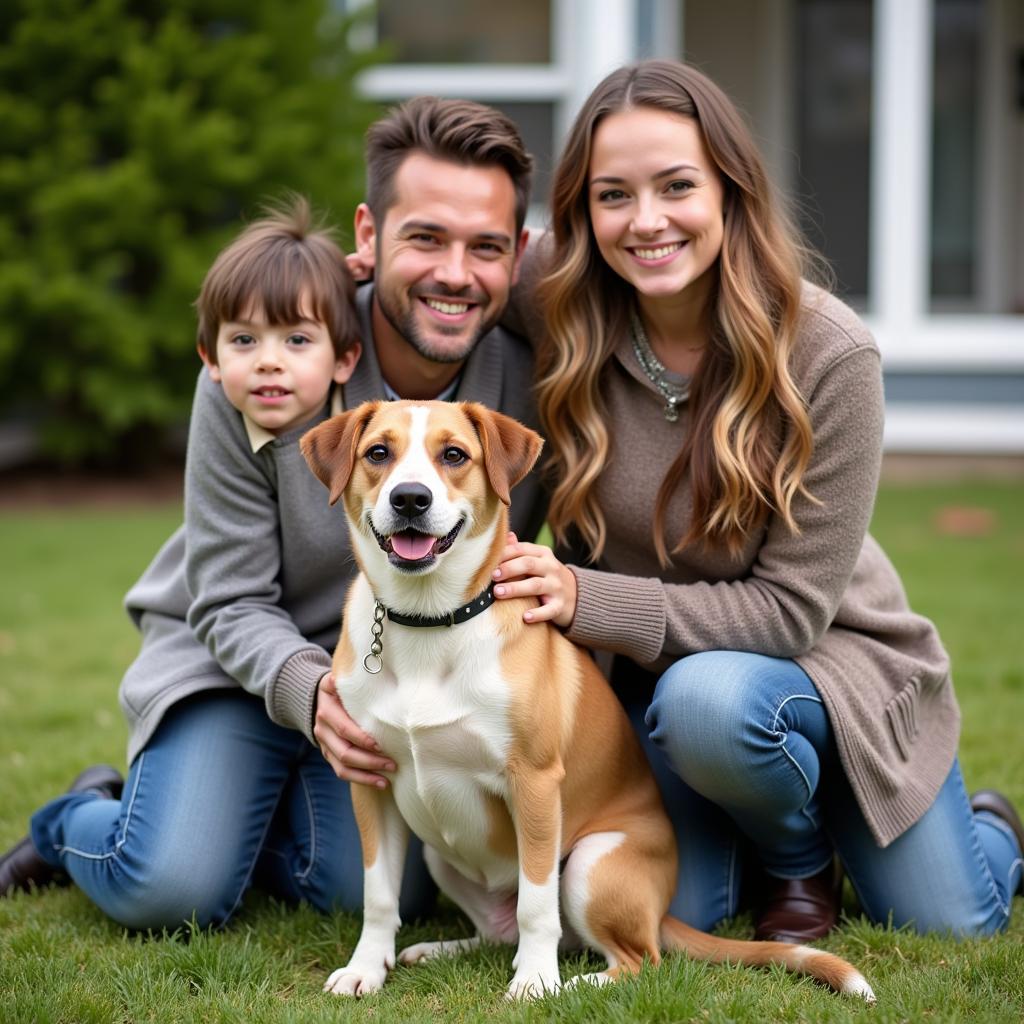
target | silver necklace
x=674, y=394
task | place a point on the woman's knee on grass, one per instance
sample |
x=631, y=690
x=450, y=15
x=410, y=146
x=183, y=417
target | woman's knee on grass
x=167, y=894
x=945, y=913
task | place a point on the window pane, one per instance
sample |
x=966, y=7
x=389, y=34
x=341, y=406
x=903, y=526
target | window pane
x=834, y=134
x=956, y=96
x=466, y=31
x=536, y=123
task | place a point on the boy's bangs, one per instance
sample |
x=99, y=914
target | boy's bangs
x=279, y=271
x=283, y=291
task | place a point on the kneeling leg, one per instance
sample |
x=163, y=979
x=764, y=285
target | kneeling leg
x=614, y=895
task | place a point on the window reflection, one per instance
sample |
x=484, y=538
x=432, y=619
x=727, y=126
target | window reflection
x=536, y=123
x=833, y=107
x=956, y=96
x=466, y=32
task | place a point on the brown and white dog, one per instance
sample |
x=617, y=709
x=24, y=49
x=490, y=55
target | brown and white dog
x=513, y=755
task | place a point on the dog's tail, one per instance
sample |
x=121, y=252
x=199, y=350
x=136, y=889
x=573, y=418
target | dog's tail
x=826, y=968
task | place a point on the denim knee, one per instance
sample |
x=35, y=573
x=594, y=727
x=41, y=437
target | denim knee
x=166, y=893
x=700, y=710
x=723, y=717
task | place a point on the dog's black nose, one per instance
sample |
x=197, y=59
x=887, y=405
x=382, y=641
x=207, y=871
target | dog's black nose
x=411, y=500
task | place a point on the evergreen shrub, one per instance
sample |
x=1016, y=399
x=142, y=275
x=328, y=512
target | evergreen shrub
x=134, y=139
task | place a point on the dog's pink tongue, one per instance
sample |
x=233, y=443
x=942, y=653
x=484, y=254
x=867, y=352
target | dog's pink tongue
x=411, y=546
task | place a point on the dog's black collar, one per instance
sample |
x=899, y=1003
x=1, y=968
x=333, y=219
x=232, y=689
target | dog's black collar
x=461, y=614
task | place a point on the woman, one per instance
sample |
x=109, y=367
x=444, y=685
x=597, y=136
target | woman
x=716, y=425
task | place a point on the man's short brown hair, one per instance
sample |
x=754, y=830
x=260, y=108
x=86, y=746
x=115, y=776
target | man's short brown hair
x=460, y=131
x=275, y=264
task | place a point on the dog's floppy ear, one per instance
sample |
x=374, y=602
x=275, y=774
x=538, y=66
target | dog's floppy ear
x=330, y=449
x=510, y=449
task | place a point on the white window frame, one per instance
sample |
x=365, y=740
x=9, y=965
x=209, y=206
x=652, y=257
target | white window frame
x=912, y=337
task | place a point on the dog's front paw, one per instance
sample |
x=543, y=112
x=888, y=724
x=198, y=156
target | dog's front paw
x=533, y=985
x=356, y=981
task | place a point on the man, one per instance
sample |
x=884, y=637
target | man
x=443, y=239
x=234, y=667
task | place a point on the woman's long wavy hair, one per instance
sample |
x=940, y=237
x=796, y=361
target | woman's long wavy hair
x=750, y=438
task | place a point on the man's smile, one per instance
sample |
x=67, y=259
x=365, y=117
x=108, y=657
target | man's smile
x=450, y=308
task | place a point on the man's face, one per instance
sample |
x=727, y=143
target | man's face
x=445, y=255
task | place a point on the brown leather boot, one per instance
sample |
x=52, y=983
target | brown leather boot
x=21, y=867
x=798, y=909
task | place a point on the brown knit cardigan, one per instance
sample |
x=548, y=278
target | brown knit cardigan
x=827, y=597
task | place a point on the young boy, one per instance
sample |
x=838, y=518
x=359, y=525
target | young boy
x=238, y=613
x=276, y=323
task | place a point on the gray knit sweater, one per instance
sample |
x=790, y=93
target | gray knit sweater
x=827, y=597
x=249, y=592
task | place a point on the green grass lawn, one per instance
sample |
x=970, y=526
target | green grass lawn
x=64, y=642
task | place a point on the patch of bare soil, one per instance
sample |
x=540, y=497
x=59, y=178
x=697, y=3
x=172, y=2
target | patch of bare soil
x=922, y=467
x=964, y=521
x=34, y=487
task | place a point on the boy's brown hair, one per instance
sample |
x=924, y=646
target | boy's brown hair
x=460, y=131
x=275, y=263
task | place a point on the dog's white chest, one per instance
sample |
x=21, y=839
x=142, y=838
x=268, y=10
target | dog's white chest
x=440, y=709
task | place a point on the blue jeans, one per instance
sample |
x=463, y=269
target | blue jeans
x=747, y=764
x=219, y=799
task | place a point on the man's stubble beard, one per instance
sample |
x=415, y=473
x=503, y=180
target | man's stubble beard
x=408, y=328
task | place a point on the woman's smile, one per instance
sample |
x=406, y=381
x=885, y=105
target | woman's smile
x=656, y=255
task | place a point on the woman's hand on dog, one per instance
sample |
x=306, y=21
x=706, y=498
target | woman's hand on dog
x=531, y=570
x=349, y=750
